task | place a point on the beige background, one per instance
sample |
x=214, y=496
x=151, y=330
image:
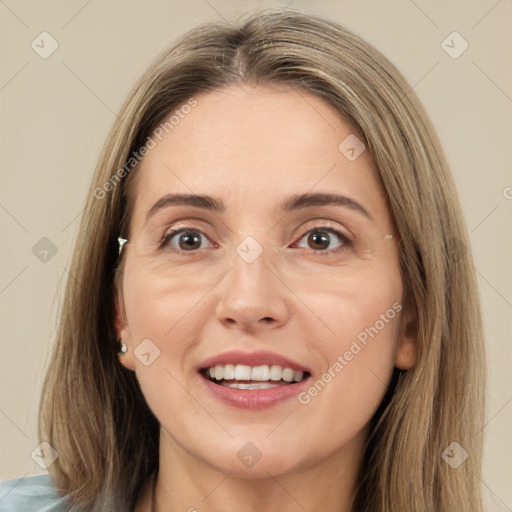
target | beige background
x=56, y=112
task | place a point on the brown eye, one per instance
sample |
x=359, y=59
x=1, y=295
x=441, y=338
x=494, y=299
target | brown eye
x=321, y=239
x=184, y=240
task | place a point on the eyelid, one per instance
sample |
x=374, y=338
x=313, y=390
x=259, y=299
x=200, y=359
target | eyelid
x=327, y=225
x=185, y=223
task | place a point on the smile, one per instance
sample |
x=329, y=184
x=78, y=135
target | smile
x=241, y=376
x=253, y=380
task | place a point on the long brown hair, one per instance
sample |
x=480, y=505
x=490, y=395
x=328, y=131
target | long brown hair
x=92, y=410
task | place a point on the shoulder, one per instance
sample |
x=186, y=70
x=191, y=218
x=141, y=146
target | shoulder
x=30, y=494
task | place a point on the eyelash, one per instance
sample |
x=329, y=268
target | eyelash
x=346, y=242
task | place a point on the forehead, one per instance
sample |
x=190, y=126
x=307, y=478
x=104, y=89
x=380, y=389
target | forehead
x=255, y=146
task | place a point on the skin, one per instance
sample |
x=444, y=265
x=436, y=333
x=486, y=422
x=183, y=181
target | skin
x=254, y=147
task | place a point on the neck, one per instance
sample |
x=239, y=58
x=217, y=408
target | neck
x=184, y=483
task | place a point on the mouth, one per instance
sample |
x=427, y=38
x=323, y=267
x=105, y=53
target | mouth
x=241, y=376
x=253, y=380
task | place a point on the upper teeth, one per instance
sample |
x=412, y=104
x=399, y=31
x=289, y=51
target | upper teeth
x=259, y=373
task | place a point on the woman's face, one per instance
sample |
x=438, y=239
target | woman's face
x=263, y=286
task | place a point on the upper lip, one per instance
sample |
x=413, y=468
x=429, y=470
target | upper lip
x=259, y=358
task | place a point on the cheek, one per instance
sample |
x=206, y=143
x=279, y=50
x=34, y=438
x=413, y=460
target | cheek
x=361, y=318
x=160, y=305
x=344, y=397
x=344, y=304
x=168, y=312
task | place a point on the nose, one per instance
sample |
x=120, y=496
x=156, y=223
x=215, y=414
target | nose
x=252, y=296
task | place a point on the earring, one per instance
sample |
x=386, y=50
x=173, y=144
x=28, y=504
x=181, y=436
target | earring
x=121, y=241
x=123, y=348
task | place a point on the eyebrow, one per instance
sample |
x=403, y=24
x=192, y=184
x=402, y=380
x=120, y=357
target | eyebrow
x=296, y=202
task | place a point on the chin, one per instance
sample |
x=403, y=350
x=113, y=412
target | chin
x=261, y=458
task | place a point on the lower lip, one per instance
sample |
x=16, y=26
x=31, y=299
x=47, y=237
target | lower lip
x=254, y=398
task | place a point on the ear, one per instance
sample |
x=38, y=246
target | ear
x=123, y=331
x=407, y=350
